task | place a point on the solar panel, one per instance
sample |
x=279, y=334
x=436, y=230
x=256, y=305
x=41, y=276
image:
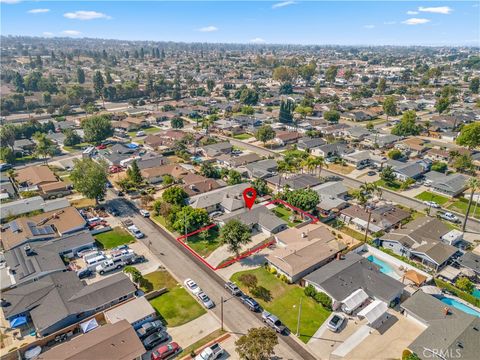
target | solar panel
x=14, y=226
x=45, y=230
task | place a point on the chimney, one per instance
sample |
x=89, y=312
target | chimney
x=28, y=250
x=446, y=310
x=304, y=235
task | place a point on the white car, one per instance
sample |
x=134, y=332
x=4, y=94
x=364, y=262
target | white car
x=449, y=217
x=144, y=213
x=432, y=204
x=212, y=352
x=192, y=286
x=206, y=301
x=335, y=322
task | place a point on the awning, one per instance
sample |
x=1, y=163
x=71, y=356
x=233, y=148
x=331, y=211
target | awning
x=354, y=300
x=18, y=321
x=89, y=325
x=374, y=311
x=414, y=276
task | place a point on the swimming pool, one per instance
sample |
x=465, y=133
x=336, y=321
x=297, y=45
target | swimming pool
x=384, y=267
x=458, y=305
x=476, y=293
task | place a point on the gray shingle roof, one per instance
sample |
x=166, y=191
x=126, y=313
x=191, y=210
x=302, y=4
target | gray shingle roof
x=257, y=215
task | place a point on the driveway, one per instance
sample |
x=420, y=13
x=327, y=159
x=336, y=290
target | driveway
x=189, y=333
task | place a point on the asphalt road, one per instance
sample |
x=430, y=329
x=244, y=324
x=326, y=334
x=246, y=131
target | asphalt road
x=183, y=265
x=473, y=225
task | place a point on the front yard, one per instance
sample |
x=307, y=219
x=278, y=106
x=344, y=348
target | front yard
x=204, y=246
x=176, y=307
x=461, y=205
x=394, y=186
x=115, y=237
x=285, y=214
x=285, y=302
x=242, y=136
x=430, y=196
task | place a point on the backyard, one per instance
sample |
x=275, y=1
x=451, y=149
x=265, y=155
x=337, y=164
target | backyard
x=176, y=307
x=284, y=303
x=430, y=196
x=285, y=214
x=115, y=237
x=204, y=245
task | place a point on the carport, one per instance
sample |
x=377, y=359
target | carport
x=374, y=311
x=354, y=300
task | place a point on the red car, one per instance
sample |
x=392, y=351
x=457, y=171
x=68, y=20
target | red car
x=115, y=169
x=165, y=351
x=101, y=147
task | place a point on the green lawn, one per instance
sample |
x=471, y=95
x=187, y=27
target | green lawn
x=284, y=214
x=430, y=196
x=391, y=186
x=205, y=247
x=115, y=237
x=285, y=303
x=74, y=148
x=149, y=130
x=242, y=136
x=175, y=307
x=461, y=205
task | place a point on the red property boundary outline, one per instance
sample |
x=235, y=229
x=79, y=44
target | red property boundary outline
x=181, y=239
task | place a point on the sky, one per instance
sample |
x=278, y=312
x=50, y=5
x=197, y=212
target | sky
x=276, y=22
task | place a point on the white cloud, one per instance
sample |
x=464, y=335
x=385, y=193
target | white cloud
x=436, y=10
x=411, y=12
x=258, y=40
x=38, y=11
x=71, y=32
x=210, y=28
x=47, y=34
x=10, y=1
x=283, y=4
x=369, y=26
x=416, y=21
x=86, y=15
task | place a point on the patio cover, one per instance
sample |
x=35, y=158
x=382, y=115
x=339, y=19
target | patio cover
x=89, y=325
x=374, y=311
x=414, y=276
x=18, y=321
x=355, y=299
x=363, y=224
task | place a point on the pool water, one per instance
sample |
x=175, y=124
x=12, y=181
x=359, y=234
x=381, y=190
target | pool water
x=384, y=267
x=458, y=305
x=197, y=158
x=476, y=293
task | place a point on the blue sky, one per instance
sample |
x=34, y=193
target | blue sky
x=293, y=22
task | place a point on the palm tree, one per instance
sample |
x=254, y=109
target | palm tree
x=282, y=168
x=360, y=196
x=310, y=163
x=473, y=184
x=206, y=123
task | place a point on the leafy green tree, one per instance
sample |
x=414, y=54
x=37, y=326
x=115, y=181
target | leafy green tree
x=388, y=175
x=257, y=344
x=234, y=177
x=382, y=85
x=44, y=146
x=265, y=133
x=470, y=135
x=474, y=85
x=134, y=174
x=394, y=154
x=464, y=284
x=89, y=178
x=249, y=280
x=176, y=122
x=248, y=96
x=168, y=179
x=284, y=74
x=80, y=75
x=331, y=74
x=97, y=128
x=98, y=83
x=71, y=137
x=473, y=184
x=285, y=89
x=261, y=187
x=210, y=171
x=286, y=111
x=247, y=110
x=235, y=234
x=304, y=111
x=308, y=71
x=389, y=106
x=18, y=82
x=175, y=195
x=407, y=125
x=439, y=166
x=210, y=85
x=135, y=274
x=332, y=116
x=442, y=104
x=462, y=163
x=370, y=126
x=188, y=219
x=7, y=155
x=304, y=199
x=8, y=135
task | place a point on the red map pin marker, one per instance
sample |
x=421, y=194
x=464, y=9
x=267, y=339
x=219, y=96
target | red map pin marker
x=249, y=195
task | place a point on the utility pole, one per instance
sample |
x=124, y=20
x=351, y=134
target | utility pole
x=368, y=225
x=299, y=315
x=221, y=310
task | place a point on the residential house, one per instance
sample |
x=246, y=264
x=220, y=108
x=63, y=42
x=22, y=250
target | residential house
x=226, y=199
x=357, y=133
x=425, y=239
x=137, y=312
x=152, y=160
x=382, y=141
x=164, y=139
x=28, y=205
x=283, y=138
x=357, y=115
x=470, y=261
x=332, y=196
x=233, y=162
x=195, y=184
x=154, y=175
x=24, y=146
x=40, y=178
x=217, y=149
x=261, y=169
x=450, y=185
x=358, y=159
x=308, y=143
x=46, y=226
x=130, y=124
x=119, y=154
x=294, y=182
x=258, y=218
x=449, y=332
x=119, y=339
x=409, y=170
x=302, y=250
x=62, y=299
x=341, y=278
x=331, y=150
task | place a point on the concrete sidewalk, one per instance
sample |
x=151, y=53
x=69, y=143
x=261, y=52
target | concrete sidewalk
x=189, y=333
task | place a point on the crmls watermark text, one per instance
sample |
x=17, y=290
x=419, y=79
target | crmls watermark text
x=442, y=353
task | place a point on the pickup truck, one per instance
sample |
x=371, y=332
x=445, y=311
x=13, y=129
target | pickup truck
x=109, y=265
x=274, y=322
x=211, y=353
x=449, y=217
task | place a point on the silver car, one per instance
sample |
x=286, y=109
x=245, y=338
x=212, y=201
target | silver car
x=205, y=300
x=335, y=322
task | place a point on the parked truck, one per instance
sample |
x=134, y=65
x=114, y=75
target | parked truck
x=274, y=322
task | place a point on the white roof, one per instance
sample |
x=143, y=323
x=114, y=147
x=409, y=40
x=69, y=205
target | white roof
x=355, y=299
x=374, y=311
x=131, y=311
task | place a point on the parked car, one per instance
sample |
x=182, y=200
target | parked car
x=205, y=300
x=154, y=339
x=212, y=352
x=251, y=303
x=335, y=322
x=144, y=213
x=274, y=322
x=101, y=147
x=140, y=133
x=121, y=247
x=136, y=232
x=149, y=328
x=233, y=288
x=109, y=265
x=138, y=259
x=192, y=286
x=5, y=166
x=371, y=173
x=449, y=217
x=84, y=273
x=432, y=204
x=112, y=211
x=165, y=351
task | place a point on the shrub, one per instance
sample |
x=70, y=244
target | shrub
x=284, y=278
x=310, y=291
x=273, y=270
x=249, y=280
x=323, y=299
x=262, y=293
x=464, y=284
x=457, y=292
